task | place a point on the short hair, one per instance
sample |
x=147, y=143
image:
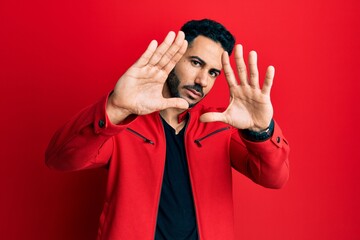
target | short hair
x=210, y=29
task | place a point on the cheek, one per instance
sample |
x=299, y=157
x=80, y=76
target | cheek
x=209, y=86
x=185, y=73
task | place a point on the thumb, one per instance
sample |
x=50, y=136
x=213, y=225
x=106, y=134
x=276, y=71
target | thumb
x=176, y=103
x=213, y=117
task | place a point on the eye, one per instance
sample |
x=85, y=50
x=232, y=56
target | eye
x=214, y=74
x=195, y=63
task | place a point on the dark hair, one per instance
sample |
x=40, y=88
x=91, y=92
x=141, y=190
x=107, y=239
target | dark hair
x=210, y=29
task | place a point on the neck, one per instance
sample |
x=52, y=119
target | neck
x=170, y=115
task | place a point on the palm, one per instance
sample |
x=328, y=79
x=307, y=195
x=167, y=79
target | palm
x=139, y=90
x=250, y=106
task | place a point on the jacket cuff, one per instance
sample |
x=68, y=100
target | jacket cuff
x=102, y=123
x=277, y=140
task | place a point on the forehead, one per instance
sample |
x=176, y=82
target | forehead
x=206, y=49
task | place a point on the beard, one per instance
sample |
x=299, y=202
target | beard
x=173, y=84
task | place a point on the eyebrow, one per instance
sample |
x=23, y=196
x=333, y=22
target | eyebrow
x=203, y=63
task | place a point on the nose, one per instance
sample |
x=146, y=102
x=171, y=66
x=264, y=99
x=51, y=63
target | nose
x=202, y=78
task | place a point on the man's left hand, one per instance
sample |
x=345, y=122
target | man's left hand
x=250, y=106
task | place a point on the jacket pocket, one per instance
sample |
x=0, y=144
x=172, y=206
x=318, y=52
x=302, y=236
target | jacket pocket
x=199, y=140
x=145, y=139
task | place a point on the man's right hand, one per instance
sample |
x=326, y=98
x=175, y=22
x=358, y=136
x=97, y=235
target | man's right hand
x=139, y=90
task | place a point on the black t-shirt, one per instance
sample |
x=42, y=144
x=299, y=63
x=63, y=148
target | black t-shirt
x=176, y=216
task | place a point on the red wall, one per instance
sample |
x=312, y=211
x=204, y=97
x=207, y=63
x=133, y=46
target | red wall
x=59, y=56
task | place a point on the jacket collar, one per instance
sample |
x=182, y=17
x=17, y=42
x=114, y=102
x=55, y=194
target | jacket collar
x=184, y=115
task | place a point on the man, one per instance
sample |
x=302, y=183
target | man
x=169, y=158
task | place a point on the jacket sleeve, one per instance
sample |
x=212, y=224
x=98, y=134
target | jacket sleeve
x=266, y=163
x=86, y=141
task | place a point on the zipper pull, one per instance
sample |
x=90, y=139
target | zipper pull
x=198, y=142
x=148, y=141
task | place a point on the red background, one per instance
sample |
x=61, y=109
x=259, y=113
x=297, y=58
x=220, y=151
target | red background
x=60, y=56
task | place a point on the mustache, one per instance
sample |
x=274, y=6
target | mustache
x=197, y=88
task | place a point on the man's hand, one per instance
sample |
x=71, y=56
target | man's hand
x=250, y=106
x=139, y=90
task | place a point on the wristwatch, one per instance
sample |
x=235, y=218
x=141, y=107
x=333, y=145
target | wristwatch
x=259, y=136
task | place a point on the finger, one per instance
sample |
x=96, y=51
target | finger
x=269, y=79
x=161, y=50
x=254, y=72
x=145, y=57
x=240, y=65
x=171, y=64
x=175, y=103
x=172, y=51
x=228, y=71
x=213, y=117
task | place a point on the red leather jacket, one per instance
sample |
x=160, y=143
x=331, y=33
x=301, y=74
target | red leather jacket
x=134, y=153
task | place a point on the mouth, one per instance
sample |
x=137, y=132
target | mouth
x=193, y=93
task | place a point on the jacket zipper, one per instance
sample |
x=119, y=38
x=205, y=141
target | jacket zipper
x=198, y=141
x=146, y=140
